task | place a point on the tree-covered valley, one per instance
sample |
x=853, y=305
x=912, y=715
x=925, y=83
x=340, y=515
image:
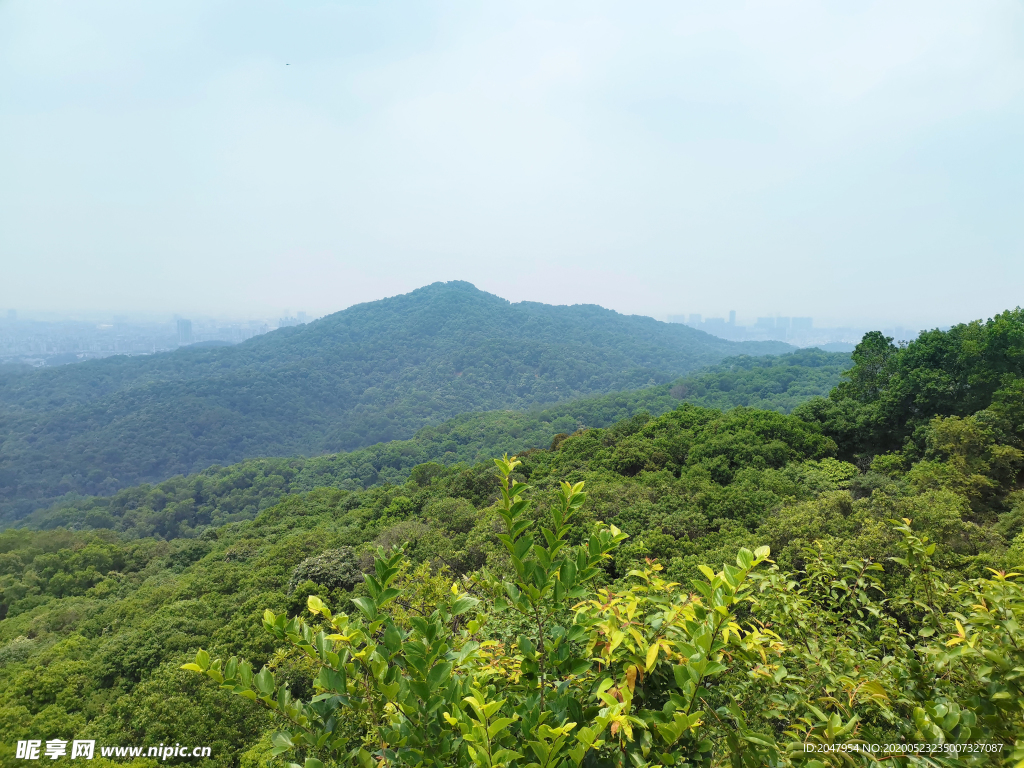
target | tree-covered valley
x=372, y=373
x=185, y=506
x=634, y=620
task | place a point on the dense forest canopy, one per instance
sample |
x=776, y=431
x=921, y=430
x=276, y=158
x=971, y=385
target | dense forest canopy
x=184, y=506
x=889, y=612
x=375, y=372
x=974, y=371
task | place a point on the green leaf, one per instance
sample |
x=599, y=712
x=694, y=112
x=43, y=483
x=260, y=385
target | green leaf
x=745, y=558
x=439, y=674
x=499, y=725
x=541, y=750
x=367, y=606
x=491, y=708
x=567, y=574
x=757, y=738
x=420, y=689
x=282, y=739
x=579, y=667
x=331, y=680
x=527, y=646
x=586, y=735
x=477, y=707
x=463, y=604
x=522, y=547
x=264, y=682
x=714, y=668
x=372, y=585
x=504, y=757
x=393, y=638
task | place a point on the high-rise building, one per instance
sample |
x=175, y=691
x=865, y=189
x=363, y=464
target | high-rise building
x=732, y=317
x=694, y=320
x=184, y=332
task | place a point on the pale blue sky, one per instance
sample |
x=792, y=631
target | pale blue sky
x=858, y=162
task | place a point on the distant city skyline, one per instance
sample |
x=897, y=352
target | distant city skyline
x=738, y=315
x=935, y=317
x=800, y=331
x=52, y=338
x=25, y=339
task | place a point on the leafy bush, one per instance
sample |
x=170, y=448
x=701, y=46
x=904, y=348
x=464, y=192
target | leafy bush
x=756, y=667
x=333, y=569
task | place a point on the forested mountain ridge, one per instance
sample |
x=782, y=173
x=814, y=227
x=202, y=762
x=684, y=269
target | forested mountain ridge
x=374, y=372
x=185, y=506
x=873, y=630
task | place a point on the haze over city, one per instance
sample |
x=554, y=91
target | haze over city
x=856, y=164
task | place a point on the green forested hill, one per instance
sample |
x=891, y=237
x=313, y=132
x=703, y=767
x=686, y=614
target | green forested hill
x=374, y=372
x=888, y=402
x=863, y=621
x=183, y=506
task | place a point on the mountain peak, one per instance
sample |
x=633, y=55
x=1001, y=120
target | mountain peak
x=370, y=373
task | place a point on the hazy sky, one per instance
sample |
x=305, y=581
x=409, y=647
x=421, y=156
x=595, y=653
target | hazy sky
x=850, y=161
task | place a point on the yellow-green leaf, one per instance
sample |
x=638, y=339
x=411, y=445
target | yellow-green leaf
x=652, y=656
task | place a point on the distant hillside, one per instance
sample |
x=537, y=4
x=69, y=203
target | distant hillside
x=771, y=383
x=218, y=495
x=375, y=372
